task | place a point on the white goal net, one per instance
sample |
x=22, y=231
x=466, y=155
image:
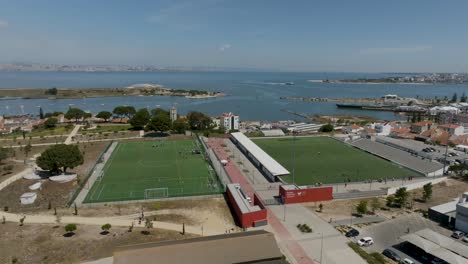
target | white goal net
x=156, y=193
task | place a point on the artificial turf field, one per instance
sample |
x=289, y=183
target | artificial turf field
x=325, y=160
x=134, y=167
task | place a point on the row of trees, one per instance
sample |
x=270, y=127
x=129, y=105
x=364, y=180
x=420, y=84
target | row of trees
x=463, y=98
x=156, y=120
x=400, y=199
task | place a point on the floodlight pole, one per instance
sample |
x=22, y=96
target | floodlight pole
x=321, y=249
x=294, y=158
x=445, y=159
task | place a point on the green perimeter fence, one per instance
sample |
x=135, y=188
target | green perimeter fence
x=82, y=182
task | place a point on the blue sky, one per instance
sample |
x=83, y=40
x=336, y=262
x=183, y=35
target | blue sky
x=355, y=36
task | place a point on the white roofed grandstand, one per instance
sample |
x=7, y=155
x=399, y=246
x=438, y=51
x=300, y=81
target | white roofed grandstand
x=260, y=156
x=304, y=127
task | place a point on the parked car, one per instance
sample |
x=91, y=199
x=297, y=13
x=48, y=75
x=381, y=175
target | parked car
x=438, y=261
x=391, y=255
x=352, y=233
x=407, y=261
x=465, y=239
x=365, y=241
x=458, y=234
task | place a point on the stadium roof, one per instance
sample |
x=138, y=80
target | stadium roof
x=439, y=245
x=266, y=160
x=244, y=247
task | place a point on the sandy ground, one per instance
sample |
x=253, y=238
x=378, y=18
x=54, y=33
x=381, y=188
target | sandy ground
x=38, y=243
x=211, y=213
x=441, y=193
x=58, y=194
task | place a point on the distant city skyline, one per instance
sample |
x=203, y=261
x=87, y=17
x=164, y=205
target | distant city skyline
x=337, y=36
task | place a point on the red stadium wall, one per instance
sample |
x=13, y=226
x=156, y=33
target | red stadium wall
x=313, y=194
x=248, y=219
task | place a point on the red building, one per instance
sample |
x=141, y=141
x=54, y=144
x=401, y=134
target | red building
x=298, y=194
x=249, y=213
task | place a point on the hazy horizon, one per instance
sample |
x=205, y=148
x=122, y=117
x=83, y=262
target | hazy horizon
x=362, y=36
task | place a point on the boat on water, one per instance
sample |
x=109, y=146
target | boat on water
x=289, y=83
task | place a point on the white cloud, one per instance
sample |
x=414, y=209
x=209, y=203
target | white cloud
x=225, y=47
x=3, y=24
x=397, y=50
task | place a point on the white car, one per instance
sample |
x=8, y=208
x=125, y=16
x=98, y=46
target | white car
x=408, y=261
x=365, y=241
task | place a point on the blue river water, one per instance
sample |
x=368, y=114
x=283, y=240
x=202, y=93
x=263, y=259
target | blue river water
x=252, y=95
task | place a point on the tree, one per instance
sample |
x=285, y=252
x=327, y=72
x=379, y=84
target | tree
x=180, y=125
x=70, y=228
x=104, y=115
x=401, y=197
x=60, y=156
x=106, y=227
x=327, y=128
x=148, y=225
x=159, y=111
x=463, y=98
x=198, y=120
x=3, y=154
x=140, y=119
x=375, y=204
x=419, y=117
x=124, y=111
x=160, y=123
x=74, y=113
x=413, y=118
x=427, y=191
x=51, y=122
x=454, y=98
x=26, y=150
x=51, y=91
x=41, y=113
x=361, y=208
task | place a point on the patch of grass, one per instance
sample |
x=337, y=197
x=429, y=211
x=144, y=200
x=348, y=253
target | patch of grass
x=325, y=160
x=372, y=258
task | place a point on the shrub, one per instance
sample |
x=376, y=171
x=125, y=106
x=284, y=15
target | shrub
x=70, y=228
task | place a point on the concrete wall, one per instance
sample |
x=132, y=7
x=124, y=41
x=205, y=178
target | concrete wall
x=313, y=194
x=416, y=185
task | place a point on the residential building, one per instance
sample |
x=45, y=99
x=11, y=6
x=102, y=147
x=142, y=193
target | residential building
x=352, y=129
x=383, y=129
x=229, y=121
x=453, y=129
x=422, y=126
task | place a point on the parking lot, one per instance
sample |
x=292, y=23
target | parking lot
x=418, y=147
x=388, y=234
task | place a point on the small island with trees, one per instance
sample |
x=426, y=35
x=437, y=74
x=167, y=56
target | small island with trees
x=134, y=90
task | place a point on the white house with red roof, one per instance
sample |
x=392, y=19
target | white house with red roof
x=453, y=129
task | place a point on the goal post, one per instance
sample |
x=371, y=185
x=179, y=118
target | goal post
x=156, y=193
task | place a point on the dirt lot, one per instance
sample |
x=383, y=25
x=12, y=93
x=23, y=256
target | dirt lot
x=58, y=194
x=46, y=243
x=210, y=212
x=441, y=193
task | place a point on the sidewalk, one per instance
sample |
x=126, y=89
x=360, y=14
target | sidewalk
x=72, y=134
x=124, y=221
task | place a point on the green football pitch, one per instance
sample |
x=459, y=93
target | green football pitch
x=325, y=160
x=152, y=170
